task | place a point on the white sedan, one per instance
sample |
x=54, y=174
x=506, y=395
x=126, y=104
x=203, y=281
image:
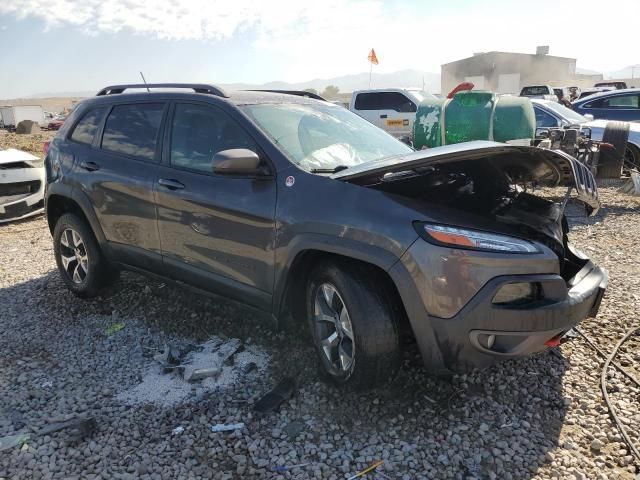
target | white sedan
x=552, y=114
x=22, y=179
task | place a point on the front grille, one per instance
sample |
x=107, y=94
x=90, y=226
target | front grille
x=20, y=188
x=19, y=209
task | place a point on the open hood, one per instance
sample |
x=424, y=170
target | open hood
x=512, y=164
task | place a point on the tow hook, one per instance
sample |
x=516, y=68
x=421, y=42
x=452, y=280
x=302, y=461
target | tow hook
x=554, y=341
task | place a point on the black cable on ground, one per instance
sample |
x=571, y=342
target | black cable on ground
x=603, y=382
x=604, y=355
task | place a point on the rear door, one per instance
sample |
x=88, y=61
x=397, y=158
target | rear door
x=115, y=166
x=394, y=112
x=217, y=231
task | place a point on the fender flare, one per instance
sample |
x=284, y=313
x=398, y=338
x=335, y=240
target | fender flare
x=83, y=202
x=287, y=255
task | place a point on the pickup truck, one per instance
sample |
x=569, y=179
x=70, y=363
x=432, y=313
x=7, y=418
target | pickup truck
x=543, y=92
x=392, y=109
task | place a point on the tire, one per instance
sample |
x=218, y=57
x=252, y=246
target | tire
x=86, y=278
x=611, y=159
x=374, y=344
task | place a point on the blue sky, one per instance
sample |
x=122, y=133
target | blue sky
x=64, y=45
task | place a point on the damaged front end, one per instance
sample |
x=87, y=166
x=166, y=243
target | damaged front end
x=489, y=186
x=21, y=185
x=494, y=275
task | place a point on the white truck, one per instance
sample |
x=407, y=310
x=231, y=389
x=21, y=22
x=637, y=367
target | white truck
x=543, y=92
x=392, y=109
x=13, y=115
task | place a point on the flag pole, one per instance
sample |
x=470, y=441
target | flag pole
x=370, y=70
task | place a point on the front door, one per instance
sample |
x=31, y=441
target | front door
x=217, y=231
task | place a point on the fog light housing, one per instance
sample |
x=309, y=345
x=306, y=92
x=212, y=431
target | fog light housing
x=519, y=293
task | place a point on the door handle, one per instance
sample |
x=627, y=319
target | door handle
x=90, y=166
x=383, y=116
x=171, y=184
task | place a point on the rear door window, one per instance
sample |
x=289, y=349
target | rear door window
x=85, y=130
x=619, y=101
x=198, y=132
x=133, y=129
x=622, y=101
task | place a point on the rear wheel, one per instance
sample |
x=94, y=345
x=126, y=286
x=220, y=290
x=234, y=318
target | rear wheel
x=80, y=261
x=611, y=159
x=353, y=326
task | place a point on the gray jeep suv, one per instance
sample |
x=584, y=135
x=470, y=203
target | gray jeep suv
x=304, y=210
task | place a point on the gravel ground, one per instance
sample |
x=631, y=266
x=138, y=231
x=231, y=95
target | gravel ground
x=541, y=417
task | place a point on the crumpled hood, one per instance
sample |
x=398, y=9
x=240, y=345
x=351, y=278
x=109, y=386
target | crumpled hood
x=518, y=164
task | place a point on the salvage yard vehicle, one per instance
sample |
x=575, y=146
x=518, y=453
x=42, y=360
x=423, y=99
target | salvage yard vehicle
x=612, y=105
x=552, y=115
x=391, y=109
x=613, y=84
x=310, y=213
x=544, y=92
x=22, y=181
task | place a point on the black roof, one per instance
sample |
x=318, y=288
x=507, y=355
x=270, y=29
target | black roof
x=239, y=97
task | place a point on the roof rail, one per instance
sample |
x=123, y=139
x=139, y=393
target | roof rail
x=196, y=87
x=298, y=93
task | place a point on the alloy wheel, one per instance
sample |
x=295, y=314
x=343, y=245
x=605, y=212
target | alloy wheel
x=73, y=254
x=333, y=330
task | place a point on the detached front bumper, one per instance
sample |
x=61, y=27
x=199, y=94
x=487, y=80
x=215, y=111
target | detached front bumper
x=482, y=332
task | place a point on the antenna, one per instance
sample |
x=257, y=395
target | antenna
x=144, y=81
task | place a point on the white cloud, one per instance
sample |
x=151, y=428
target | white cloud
x=331, y=37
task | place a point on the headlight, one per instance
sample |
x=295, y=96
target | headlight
x=473, y=239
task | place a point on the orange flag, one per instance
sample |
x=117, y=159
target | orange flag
x=372, y=57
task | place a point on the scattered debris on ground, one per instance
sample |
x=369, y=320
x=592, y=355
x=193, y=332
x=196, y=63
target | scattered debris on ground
x=216, y=365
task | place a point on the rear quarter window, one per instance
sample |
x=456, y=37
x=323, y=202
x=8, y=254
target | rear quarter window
x=85, y=130
x=133, y=129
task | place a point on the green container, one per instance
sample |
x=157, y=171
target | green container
x=473, y=115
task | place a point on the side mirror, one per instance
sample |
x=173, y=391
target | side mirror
x=237, y=161
x=589, y=117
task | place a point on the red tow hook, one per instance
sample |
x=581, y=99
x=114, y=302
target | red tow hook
x=553, y=342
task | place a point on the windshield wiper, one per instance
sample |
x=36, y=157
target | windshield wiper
x=337, y=169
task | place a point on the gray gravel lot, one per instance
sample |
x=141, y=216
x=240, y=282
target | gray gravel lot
x=542, y=417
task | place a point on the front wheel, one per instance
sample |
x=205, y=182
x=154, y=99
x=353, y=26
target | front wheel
x=80, y=261
x=353, y=326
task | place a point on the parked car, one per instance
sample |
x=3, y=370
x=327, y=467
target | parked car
x=544, y=92
x=614, y=105
x=392, y=109
x=21, y=185
x=551, y=114
x=587, y=92
x=615, y=85
x=308, y=212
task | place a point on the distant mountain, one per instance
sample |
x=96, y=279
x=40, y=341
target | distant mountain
x=358, y=81
x=346, y=83
x=79, y=94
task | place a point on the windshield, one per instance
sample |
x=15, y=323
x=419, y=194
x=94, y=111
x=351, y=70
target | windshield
x=566, y=113
x=535, y=90
x=323, y=136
